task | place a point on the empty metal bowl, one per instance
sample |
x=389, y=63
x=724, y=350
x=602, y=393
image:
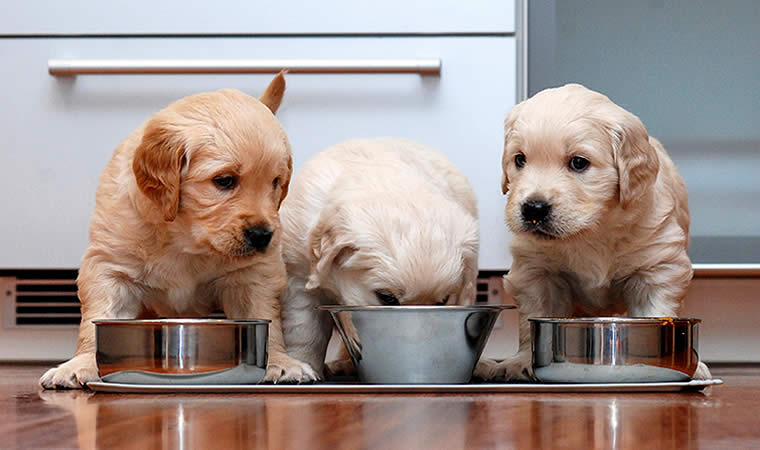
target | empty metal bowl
x=415, y=344
x=614, y=349
x=181, y=351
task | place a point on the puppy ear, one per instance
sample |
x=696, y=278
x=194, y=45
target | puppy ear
x=504, y=177
x=328, y=249
x=272, y=96
x=636, y=159
x=157, y=165
x=509, y=123
x=468, y=290
x=286, y=181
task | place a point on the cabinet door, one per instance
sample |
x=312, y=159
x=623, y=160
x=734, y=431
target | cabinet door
x=58, y=133
x=225, y=17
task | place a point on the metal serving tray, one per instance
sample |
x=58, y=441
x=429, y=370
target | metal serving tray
x=358, y=388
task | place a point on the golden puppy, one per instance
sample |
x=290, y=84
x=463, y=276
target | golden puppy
x=186, y=220
x=599, y=215
x=374, y=222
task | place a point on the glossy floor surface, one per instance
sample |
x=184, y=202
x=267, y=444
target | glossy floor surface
x=725, y=416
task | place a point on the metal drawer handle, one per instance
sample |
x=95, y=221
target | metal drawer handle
x=71, y=67
x=726, y=270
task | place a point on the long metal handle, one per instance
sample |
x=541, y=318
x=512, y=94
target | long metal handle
x=726, y=270
x=71, y=67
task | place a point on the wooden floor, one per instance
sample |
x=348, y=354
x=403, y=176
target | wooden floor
x=725, y=416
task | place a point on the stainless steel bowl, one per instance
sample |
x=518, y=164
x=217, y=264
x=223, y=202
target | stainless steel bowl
x=415, y=344
x=614, y=349
x=182, y=350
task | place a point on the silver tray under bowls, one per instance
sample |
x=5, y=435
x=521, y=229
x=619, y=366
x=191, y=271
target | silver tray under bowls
x=358, y=388
x=181, y=351
x=614, y=349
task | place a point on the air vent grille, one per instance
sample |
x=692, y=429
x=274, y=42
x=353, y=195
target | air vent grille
x=35, y=302
x=482, y=292
x=490, y=288
x=49, y=298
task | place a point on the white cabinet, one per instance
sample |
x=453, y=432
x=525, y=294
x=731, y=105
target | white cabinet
x=57, y=134
x=255, y=17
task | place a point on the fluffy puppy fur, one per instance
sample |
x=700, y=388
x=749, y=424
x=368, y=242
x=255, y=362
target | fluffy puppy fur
x=186, y=220
x=599, y=215
x=372, y=222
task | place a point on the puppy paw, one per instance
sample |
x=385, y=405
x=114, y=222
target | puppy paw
x=518, y=368
x=73, y=374
x=485, y=369
x=284, y=369
x=702, y=373
x=341, y=367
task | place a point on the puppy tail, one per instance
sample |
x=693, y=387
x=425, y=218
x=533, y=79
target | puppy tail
x=272, y=96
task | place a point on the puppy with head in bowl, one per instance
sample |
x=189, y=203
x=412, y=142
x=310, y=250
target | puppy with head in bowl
x=599, y=214
x=374, y=222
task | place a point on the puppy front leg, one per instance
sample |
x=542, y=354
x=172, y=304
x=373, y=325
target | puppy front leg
x=344, y=365
x=658, y=293
x=244, y=299
x=538, y=295
x=307, y=331
x=103, y=295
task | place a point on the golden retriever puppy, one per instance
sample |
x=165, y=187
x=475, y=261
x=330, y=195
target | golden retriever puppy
x=599, y=215
x=374, y=222
x=186, y=220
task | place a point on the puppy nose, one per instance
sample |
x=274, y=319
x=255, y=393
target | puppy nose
x=258, y=237
x=535, y=210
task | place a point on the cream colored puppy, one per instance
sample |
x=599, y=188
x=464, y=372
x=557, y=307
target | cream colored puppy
x=374, y=222
x=599, y=215
x=186, y=220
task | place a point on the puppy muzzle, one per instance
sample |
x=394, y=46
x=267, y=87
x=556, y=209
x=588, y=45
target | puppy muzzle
x=536, y=218
x=535, y=211
x=257, y=238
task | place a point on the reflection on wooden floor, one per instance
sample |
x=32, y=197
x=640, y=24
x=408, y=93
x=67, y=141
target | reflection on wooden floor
x=33, y=418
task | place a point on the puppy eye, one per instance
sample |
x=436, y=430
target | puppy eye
x=275, y=182
x=386, y=298
x=225, y=182
x=520, y=160
x=444, y=300
x=579, y=163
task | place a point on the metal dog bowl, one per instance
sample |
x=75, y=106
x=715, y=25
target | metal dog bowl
x=614, y=349
x=181, y=351
x=415, y=344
